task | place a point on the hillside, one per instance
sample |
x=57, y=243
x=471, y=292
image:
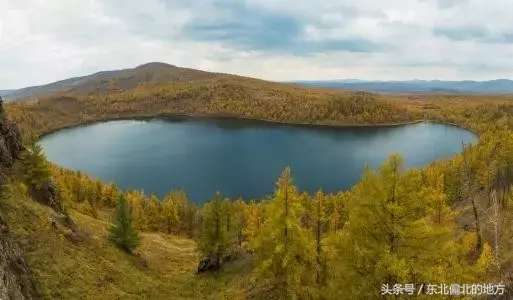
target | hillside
x=112, y=81
x=4, y=93
x=162, y=73
x=162, y=268
x=447, y=223
x=156, y=89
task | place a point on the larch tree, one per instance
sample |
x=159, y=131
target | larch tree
x=98, y=193
x=397, y=232
x=228, y=216
x=170, y=212
x=186, y=211
x=153, y=212
x=136, y=200
x=335, y=215
x=319, y=229
x=214, y=241
x=255, y=220
x=110, y=195
x=285, y=252
x=239, y=209
x=469, y=190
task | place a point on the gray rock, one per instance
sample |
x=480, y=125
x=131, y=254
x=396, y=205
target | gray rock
x=208, y=264
x=16, y=281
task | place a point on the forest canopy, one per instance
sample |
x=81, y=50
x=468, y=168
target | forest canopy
x=450, y=222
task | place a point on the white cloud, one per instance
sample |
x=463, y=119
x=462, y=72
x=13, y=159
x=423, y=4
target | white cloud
x=44, y=41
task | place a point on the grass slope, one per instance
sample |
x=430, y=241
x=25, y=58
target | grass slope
x=163, y=267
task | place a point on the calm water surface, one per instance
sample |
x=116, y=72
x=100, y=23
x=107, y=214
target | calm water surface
x=240, y=158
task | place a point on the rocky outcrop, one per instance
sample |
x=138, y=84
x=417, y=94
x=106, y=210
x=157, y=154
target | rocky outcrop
x=47, y=195
x=208, y=264
x=10, y=144
x=15, y=279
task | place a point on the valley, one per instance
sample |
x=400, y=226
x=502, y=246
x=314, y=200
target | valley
x=438, y=218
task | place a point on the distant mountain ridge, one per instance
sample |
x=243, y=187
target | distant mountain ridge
x=4, y=93
x=158, y=72
x=108, y=81
x=497, y=86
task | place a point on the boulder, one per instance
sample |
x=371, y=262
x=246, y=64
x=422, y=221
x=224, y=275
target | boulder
x=47, y=195
x=10, y=144
x=208, y=264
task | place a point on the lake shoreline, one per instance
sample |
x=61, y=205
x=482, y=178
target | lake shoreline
x=253, y=119
x=201, y=156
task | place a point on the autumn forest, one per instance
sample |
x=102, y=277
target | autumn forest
x=450, y=222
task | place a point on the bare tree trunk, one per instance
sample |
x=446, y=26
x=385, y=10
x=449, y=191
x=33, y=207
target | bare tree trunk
x=318, y=241
x=495, y=219
x=468, y=183
x=479, y=244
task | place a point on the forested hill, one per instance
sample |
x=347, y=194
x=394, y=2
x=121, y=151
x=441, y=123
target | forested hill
x=450, y=222
x=110, y=81
x=201, y=93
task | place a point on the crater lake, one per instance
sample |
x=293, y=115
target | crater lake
x=241, y=158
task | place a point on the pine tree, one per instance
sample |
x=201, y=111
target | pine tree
x=214, y=241
x=285, y=252
x=121, y=231
x=32, y=166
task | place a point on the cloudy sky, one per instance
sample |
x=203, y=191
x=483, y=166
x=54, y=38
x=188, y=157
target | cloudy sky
x=42, y=41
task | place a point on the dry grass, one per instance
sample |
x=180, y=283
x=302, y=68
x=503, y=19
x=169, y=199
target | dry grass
x=163, y=267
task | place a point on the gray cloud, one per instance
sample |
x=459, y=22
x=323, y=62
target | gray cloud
x=450, y=3
x=44, y=41
x=474, y=33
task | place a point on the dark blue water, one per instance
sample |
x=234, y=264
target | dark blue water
x=241, y=158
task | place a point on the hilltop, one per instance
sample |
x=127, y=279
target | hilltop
x=154, y=73
x=156, y=88
x=111, y=81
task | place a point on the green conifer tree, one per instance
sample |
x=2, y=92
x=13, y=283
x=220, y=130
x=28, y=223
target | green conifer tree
x=121, y=231
x=32, y=166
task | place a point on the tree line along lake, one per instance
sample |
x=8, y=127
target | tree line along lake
x=241, y=158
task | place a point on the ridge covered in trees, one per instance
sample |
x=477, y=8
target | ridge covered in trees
x=221, y=96
x=450, y=222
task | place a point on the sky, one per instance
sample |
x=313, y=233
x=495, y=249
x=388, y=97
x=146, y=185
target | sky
x=42, y=41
